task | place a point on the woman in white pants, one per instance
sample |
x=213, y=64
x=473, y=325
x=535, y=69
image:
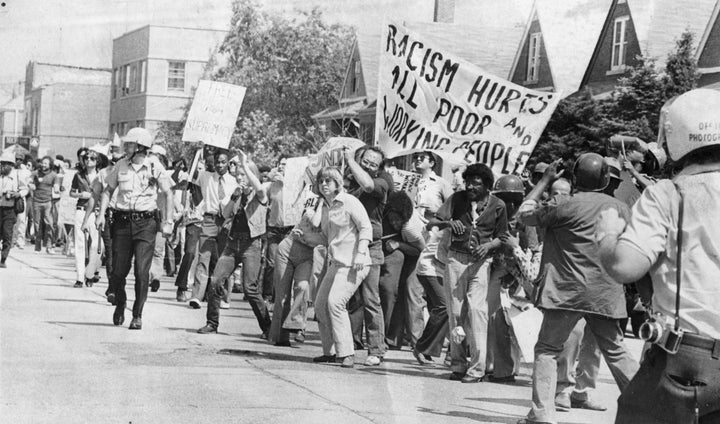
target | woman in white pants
x=81, y=189
x=346, y=225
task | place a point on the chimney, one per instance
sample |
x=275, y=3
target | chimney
x=444, y=11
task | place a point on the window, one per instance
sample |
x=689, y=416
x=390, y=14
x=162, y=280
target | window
x=122, y=128
x=533, y=65
x=356, y=77
x=176, y=76
x=114, y=83
x=619, y=43
x=126, y=80
x=141, y=75
x=139, y=124
x=112, y=130
x=133, y=85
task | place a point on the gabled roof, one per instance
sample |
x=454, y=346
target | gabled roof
x=17, y=103
x=491, y=47
x=708, y=29
x=570, y=31
x=659, y=23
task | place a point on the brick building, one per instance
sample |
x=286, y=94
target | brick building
x=11, y=123
x=66, y=107
x=154, y=72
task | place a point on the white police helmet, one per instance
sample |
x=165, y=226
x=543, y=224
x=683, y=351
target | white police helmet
x=689, y=122
x=139, y=135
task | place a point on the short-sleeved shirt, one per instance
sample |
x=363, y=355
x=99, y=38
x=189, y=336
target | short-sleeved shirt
x=215, y=197
x=44, y=183
x=571, y=273
x=652, y=230
x=374, y=203
x=432, y=192
x=81, y=183
x=491, y=222
x=137, y=185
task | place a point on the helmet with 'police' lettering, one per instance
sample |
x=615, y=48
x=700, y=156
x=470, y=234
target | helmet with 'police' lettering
x=139, y=135
x=590, y=172
x=690, y=122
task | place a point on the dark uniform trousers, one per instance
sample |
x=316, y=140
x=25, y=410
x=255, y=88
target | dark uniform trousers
x=7, y=223
x=133, y=236
x=669, y=387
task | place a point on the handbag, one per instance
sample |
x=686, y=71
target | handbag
x=19, y=206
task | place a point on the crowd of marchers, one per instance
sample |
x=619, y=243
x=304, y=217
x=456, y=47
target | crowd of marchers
x=442, y=270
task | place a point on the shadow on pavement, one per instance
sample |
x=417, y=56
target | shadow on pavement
x=90, y=324
x=471, y=415
x=94, y=302
x=417, y=371
x=525, y=403
x=254, y=354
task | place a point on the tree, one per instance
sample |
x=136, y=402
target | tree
x=582, y=124
x=292, y=68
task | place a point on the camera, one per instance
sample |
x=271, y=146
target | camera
x=658, y=330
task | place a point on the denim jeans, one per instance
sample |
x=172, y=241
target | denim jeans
x=247, y=250
x=192, y=237
x=556, y=328
x=436, y=329
x=275, y=236
x=292, y=262
x=466, y=290
x=132, y=239
x=7, y=224
x=207, y=254
x=42, y=217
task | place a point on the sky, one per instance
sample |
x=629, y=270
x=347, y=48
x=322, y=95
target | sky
x=80, y=32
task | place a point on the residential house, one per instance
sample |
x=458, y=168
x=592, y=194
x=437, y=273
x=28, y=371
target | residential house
x=708, y=51
x=650, y=28
x=155, y=70
x=557, y=44
x=66, y=107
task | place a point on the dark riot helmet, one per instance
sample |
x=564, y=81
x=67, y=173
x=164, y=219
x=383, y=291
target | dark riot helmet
x=590, y=172
x=509, y=187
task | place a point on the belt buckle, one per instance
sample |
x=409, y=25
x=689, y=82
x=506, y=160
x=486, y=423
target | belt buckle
x=135, y=216
x=673, y=341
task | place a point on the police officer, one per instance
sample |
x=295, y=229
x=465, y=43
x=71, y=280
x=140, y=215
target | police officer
x=673, y=234
x=136, y=178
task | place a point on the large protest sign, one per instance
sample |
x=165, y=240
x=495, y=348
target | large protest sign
x=429, y=99
x=213, y=113
x=295, y=190
x=331, y=154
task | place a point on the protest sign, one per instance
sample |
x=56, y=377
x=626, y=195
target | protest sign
x=294, y=190
x=405, y=181
x=331, y=154
x=213, y=113
x=66, y=204
x=429, y=99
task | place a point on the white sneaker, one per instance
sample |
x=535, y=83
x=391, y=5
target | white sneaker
x=224, y=305
x=373, y=361
x=194, y=303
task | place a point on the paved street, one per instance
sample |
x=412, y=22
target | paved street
x=62, y=361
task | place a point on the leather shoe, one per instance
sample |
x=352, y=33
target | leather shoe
x=586, y=404
x=78, y=284
x=562, y=402
x=422, y=358
x=209, y=328
x=111, y=299
x=181, y=296
x=284, y=343
x=89, y=282
x=507, y=379
x=135, y=324
x=457, y=376
x=300, y=336
x=194, y=303
x=119, y=315
x=471, y=379
x=348, y=362
x=328, y=359
x=154, y=285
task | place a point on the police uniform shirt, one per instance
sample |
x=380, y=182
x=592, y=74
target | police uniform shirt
x=137, y=185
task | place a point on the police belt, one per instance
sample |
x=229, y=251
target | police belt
x=133, y=215
x=694, y=340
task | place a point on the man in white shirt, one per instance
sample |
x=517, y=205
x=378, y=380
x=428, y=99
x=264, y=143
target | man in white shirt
x=216, y=187
x=24, y=176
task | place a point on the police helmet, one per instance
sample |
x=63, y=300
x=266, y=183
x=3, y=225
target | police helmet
x=590, y=172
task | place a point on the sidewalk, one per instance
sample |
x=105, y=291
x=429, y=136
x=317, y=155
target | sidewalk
x=62, y=361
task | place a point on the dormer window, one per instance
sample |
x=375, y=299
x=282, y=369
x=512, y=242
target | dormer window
x=619, y=45
x=533, y=64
